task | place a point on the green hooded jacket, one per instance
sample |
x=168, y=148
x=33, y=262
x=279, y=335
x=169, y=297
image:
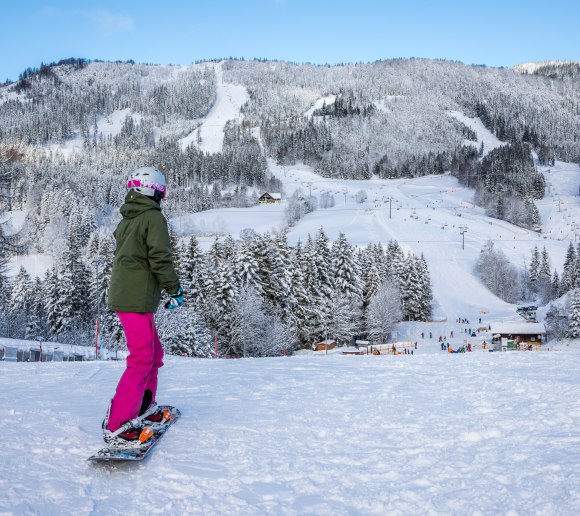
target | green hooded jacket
x=143, y=263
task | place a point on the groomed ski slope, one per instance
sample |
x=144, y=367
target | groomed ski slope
x=475, y=433
x=425, y=215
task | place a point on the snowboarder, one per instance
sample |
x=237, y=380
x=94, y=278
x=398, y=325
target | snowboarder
x=142, y=267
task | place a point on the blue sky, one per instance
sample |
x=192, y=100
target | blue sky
x=492, y=32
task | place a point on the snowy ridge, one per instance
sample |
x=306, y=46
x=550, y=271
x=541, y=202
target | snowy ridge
x=532, y=67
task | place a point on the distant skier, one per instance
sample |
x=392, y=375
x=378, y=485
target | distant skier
x=143, y=265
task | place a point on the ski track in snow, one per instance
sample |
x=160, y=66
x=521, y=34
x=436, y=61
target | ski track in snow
x=229, y=100
x=490, y=141
x=479, y=433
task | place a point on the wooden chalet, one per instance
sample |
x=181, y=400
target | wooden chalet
x=515, y=335
x=270, y=198
x=324, y=345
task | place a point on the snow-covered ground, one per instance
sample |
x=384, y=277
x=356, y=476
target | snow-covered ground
x=262, y=218
x=109, y=125
x=35, y=264
x=478, y=433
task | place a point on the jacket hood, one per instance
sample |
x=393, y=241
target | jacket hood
x=136, y=203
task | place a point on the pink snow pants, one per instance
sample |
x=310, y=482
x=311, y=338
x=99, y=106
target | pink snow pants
x=145, y=358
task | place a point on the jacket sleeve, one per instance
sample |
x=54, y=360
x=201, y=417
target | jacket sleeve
x=159, y=252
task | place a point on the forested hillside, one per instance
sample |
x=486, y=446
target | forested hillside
x=71, y=131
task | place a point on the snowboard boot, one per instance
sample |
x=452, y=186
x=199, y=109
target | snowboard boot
x=131, y=433
x=155, y=416
x=151, y=413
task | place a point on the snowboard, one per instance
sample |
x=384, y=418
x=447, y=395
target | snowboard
x=136, y=453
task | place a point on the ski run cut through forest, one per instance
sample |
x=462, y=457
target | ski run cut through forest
x=410, y=207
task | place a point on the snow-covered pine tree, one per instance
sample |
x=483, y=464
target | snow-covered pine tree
x=533, y=219
x=224, y=292
x=371, y=275
x=197, y=336
x=556, y=285
x=569, y=270
x=577, y=265
x=545, y=266
x=308, y=267
x=322, y=264
x=247, y=267
x=295, y=313
x=36, y=324
x=345, y=270
x=534, y=268
x=381, y=261
x=174, y=246
x=345, y=317
x=21, y=290
x=574, y=317
x=75, y=286
x=19, y=304
x=229, y=248
x=426, y=290
x=397, y=260
x=544, y=280
x=412, y=290
x=54, y=301
x=193, y=272
x=248, y=322
x=184, y=332
x=278, y=288
x=215, y=254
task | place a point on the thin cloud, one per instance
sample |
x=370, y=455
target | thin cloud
x=111, y=23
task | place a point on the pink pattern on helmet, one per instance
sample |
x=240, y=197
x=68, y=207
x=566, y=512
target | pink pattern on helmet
x=136, y=183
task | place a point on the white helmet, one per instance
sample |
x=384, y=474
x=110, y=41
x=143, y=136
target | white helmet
x=147, y=181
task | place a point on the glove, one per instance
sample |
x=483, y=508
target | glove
x=175, y=300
